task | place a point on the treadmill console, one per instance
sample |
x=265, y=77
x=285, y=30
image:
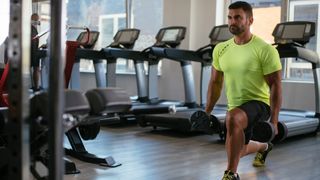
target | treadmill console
x=125, y=37
x=294, y=32
x=219, y=34
x=170, y=36
x=93, y=38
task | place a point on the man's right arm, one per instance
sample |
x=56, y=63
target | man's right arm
x=214, y=89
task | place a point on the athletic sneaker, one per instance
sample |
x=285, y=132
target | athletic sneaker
x=228, y=175
x=260, y=158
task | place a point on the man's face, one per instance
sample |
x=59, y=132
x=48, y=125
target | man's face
x=35, y=20
x=238, y=21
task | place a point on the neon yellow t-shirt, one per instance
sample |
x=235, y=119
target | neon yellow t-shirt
x=244, y=67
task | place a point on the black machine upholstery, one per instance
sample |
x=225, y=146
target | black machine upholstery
x=75, y=103
x=107, y=100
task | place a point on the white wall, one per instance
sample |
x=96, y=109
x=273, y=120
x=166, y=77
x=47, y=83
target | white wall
x=128, y=82
x=176, y=13
x=199, y=18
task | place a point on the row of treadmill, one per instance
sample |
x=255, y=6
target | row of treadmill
x=290, y=40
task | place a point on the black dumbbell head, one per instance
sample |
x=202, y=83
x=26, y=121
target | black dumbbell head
x=263, y=132
x=201, y=122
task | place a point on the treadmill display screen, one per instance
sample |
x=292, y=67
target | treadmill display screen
x=83, y=37
x=296, y=31
x=224, y=34
x=170, y=35
x=126, y=37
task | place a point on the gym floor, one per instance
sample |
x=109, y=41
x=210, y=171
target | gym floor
x=146, y=154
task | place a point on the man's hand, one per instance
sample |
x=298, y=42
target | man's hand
x=43, y=46
x=275, y=125
x=208, y=112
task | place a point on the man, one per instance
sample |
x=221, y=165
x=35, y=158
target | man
x=251, y=70
x=35, y=61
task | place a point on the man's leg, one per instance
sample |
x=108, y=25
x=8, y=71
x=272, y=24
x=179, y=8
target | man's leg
x=253, y=147
x=236, y=122
x=236, y=148
x=36, y=77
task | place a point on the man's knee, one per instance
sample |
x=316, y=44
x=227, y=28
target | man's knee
x=236, y=119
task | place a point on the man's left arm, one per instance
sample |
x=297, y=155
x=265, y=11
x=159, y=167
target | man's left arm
x=274, y=82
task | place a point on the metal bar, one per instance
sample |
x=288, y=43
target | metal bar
x=129, y=13
x=19, y=57
x=56, y=87
x=77, y=27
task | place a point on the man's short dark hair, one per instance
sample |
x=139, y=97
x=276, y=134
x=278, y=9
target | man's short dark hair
x=246, y=7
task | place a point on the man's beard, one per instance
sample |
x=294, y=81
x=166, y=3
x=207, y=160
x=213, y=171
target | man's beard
x=236, y=30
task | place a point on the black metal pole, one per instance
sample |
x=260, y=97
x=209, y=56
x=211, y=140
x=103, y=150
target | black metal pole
x=56, y=86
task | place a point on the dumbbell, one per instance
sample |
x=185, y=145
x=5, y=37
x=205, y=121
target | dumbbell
x=264, y=132
x=201, y=121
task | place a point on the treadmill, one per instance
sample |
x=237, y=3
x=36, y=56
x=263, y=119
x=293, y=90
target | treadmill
x=124, y=38
x=87, y=39
x=291, y=38
x=82, y=48
x=181, y=119
x=170, y=37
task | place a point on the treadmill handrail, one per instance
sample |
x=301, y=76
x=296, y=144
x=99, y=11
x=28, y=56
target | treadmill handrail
x=181, y=54
x=90, y=54
x=289, y=50
x=127, y=54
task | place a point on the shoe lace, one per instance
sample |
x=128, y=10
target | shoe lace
x=258, y=157
x=228, y=176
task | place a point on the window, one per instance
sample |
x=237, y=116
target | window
x=105, y=16
x=116, y=21
x=147, y=16
x=44, y=13
x=108, y=16
x=4, y=17
x=297, y=69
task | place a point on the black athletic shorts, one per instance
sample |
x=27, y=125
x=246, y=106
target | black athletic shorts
x=35, y=61
x=256, y=111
